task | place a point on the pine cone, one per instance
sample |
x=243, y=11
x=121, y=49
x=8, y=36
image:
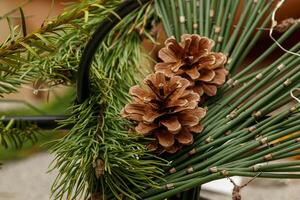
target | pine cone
x=165, y=110
x=193, y=59
x=284, y=25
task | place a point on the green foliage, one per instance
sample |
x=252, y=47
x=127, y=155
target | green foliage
x=98, y=131
x=16, y=133
x=52, y=55
x=253, y=121
x=29, y=147
x=250, y=123
x=94, y=137
x=16, y=136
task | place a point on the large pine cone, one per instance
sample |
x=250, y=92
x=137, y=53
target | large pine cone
x=193, y=59
x=166, y=110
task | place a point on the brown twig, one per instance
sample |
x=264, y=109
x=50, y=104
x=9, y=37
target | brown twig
x=236, y=195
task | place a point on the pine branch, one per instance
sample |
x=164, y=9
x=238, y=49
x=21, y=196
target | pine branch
x=35, y=56
x=99, y=135
x=71, y=14
x=15, y=134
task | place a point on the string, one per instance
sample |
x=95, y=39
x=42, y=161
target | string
x=293, y=96
x=274, y=24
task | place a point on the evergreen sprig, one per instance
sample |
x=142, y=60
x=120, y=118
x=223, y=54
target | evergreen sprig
x=99, y=133
x=50, y=54
x=15, y=134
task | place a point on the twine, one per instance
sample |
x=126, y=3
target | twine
x=35, y=91
x=274, y=24
x=293, y=96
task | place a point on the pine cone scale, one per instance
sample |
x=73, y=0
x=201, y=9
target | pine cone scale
x=171, y=52
x=165, y=139
x=196, y=129
x=138, y=92
x=135, y=108
x=188, y=106
x=220, y=77
x=144, y=128
x=193, y=73
x=172, y=124
x=165, y=68
x=209, y=89
x=207, y=75
x=192, y=96
x=188, y=119
x=207, y=62
x=179, y=89
x=185, y=137
x=199, y=112
x=150, y=115
x=177, y=103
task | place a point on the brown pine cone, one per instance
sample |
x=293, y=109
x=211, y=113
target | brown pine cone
x=192, y=59
x=166, y=110
x=284, y=25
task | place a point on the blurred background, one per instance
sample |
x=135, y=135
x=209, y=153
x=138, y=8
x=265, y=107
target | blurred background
x=24, y=176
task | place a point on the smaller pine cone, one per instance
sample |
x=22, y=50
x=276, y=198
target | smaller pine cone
x=166, y=110
x=192, y=59
x=284, y=25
